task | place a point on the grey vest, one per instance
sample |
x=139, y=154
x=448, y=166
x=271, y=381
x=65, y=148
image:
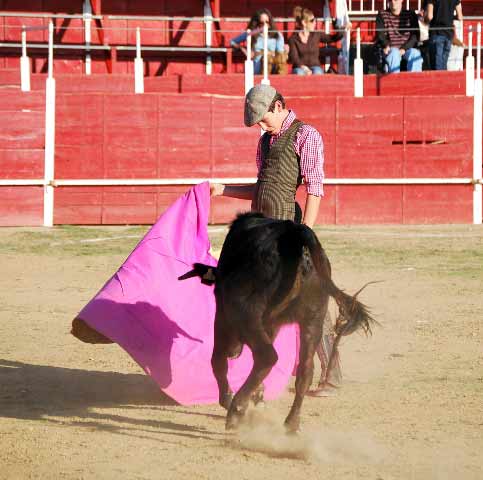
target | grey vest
x=279, y=176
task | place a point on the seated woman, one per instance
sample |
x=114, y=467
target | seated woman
x=304, y=43
x=276, y=51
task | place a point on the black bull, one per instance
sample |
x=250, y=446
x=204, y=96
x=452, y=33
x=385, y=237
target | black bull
x=272, y=272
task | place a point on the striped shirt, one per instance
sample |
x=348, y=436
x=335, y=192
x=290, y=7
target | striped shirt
x=309, y=146
x=398, y=31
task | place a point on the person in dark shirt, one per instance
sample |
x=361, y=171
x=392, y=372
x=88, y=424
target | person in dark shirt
x=304, y=44
x=397, y=38
x=440, y=15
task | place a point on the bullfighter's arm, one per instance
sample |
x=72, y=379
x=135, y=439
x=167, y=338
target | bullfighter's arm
x=244, y=192
x=311, y=209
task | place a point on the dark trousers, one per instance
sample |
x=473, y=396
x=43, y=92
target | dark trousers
x=298, y=213
x=439, y=48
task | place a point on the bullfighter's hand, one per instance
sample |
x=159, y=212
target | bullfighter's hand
x=216, y=189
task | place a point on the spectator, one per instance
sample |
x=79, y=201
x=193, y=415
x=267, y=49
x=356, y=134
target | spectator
x=304, y=43
x=397, y=38
x=277, y=56
x=440, y=16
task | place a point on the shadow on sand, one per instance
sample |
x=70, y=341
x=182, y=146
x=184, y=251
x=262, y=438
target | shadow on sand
x=38, y=392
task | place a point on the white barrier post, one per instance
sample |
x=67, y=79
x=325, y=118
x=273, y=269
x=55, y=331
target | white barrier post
x=327, y=22
x=87, y=11
x=358, y=69
x=49, y=135
x=208, y=42
x=477, y=135
x=249, y=81
x=24, y=64
x=138, y=66
x=470, y=66
x=265, y=80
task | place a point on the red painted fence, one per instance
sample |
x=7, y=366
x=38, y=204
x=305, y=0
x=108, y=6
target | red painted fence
x=162, y=135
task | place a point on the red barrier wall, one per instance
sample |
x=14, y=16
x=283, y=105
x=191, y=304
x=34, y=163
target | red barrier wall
x=406, y=84
x=121, y=135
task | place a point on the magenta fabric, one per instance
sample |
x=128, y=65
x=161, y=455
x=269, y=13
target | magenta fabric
x=166, y=325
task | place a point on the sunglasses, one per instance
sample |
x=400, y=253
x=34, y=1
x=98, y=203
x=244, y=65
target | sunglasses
x=312, y=20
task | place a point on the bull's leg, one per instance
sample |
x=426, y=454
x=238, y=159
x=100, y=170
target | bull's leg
x=223, y=344
x=219, y=364
x=264, y=358
x=309, y=339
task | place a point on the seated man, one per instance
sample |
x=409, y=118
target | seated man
x=397, y=37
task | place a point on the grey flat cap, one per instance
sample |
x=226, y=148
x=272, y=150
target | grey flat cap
x=257, y=102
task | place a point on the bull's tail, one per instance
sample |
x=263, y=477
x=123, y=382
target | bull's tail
x=353, y=315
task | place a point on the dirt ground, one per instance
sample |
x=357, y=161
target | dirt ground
x=410, y=407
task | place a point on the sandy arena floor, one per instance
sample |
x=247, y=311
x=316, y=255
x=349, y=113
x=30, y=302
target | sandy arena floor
x=411, y=405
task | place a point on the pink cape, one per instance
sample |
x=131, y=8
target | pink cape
x=166, y=325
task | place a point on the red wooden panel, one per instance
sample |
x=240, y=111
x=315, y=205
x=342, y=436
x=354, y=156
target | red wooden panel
x=79, y=119
x=234, y=145
x=194, y=65
x=169, y=32
x=21, y=206
x=23, y=164
x=22, y=129
x=226, y=85
x=97, y=83
x=320, y=85
x=16, y=100
x=115, y=32
x=78, y=205
x=421, y=83
x=9, y=77
x=99, y=65
x=79, y=161
x=13, y=29
x=125, y=160
x=69, y=30
x=165, y=84
x=445, y=119
x=186, y=33
x=129, y=205
x=368, y=204
x=129, y=136
x=437, y=204
x=366, y=130
x=321, y=114
x=184, y=136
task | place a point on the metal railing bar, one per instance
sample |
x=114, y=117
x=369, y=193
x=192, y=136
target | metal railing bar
x=57, y=46
x=48, y=15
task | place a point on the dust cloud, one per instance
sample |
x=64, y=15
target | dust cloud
x=263, y=431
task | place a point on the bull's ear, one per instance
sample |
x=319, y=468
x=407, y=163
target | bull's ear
x=209, y=277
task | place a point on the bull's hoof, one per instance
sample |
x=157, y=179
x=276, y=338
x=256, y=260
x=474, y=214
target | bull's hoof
x=292, y=426
x=258, y=397
x=234, y=417
x=225, y=400
x=324, y=390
